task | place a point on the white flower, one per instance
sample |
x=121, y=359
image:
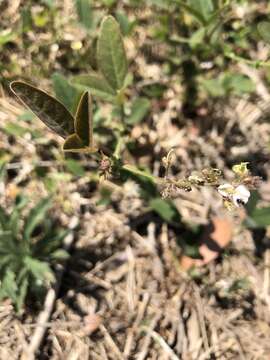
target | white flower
x=238, y=195
x=241, y=195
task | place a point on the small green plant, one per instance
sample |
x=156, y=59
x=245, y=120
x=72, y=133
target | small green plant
x=110, y=84
x=28, y=249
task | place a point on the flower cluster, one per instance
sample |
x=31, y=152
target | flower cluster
x=234, y=194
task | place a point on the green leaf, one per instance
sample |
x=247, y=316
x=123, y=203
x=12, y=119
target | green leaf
x=238, y=83
x=156, y=90
x=45, y=246
x=85, y=12
x=111, y=54
x=14, y=222
x=203, y=7
x=5, y=261
x=60, y=254
x=125, y=25
x=9, y=287
x=252, y=202
x=84, y=120
x=75, y=167
x=139, y=109
x=97, y=86
x=74, y=144
x=22, y=292
x=15, y=216
x=259, y=218
x=26, y=19
x=39, y=269
x=45, y=107
x=214, y=87
x=197, y=38
x=21, y=202
x=193, y=11
x=82, y=140
x=7, y=243
x=228, y=83
x=264, y=30
x=36, y=216
x=165, y=209
x=68, y=94
x=3, y=219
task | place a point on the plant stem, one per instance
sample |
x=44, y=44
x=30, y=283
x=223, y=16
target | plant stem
x=118, y=147
x=120, y=138
x=255, y=63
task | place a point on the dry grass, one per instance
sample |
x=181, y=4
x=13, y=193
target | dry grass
x=123, y=294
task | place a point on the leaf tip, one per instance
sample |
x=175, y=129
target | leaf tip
x=14, y=84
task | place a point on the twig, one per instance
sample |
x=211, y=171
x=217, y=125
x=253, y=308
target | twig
x=266, y=278
x=171, y=354
x=139, y=318
x=200, y=311
x=147, y=341
x=102, y=351
x=131, y=281
x=44, y=316
x=114, y=348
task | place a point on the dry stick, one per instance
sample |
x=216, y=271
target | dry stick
x=44, y=316
x=111, y=344
x=159, y=339
x=147, y=341
x=102, y=351
x=200, y=311
x=131, y=281
x=266, y=278
x=139, y=318
x=20, y=334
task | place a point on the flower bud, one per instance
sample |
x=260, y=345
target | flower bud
x=241, y=169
